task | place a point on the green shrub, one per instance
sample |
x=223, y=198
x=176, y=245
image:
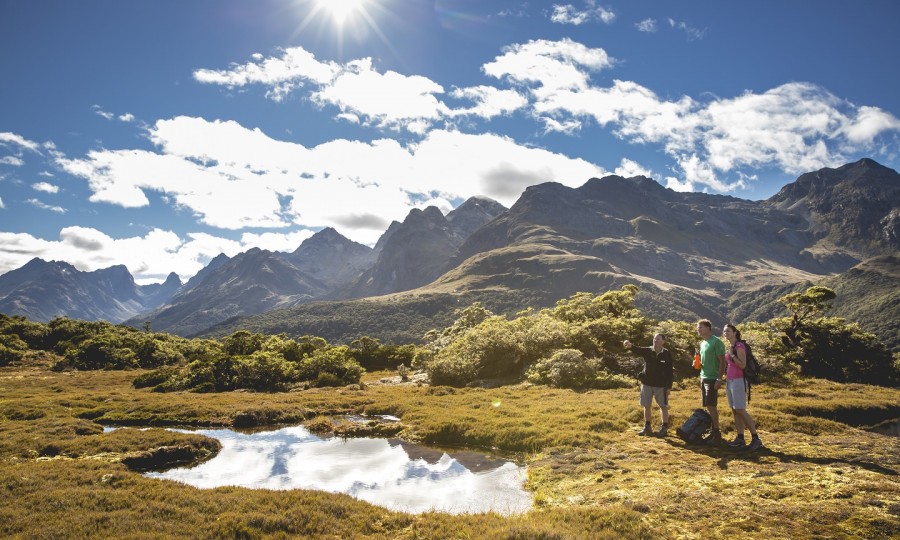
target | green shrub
x=490, y=349
x=566, y=368
x=9, y=355
x=155, y=350
x=155, y=377
x=242, y=343
x=450, y=370
x=338, y=362
x=264, y=372
x=105, y=351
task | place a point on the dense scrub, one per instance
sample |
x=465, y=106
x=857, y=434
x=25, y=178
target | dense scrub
x=575, y=344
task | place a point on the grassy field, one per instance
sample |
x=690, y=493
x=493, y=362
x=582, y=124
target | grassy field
x=589, y=472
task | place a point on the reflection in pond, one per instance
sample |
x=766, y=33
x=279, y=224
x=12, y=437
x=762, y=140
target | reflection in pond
x=386, y=472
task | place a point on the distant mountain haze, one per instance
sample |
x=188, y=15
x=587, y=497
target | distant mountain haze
x=691, y=254
x=42, y=290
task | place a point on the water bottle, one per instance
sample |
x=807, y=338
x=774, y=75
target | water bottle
x=696, y=359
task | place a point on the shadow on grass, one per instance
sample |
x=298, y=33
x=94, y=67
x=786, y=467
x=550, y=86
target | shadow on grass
x=727, y=455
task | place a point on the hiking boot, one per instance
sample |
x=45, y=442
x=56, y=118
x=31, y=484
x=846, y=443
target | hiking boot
x=646, y=431
x=738, y=442
x=755, y=444
x=663, y=430
x=714, y=437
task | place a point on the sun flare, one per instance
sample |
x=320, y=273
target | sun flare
x=342, y=10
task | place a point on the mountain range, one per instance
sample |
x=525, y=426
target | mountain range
x=692, y=255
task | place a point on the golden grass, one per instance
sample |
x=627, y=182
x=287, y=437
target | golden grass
x=591, y=475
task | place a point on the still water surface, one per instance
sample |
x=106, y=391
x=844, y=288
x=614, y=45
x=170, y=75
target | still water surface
x=387, y=472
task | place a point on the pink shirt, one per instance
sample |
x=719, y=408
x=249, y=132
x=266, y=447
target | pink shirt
x=733, y=371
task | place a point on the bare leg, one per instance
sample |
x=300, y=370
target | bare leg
x=746, y=419
x=738, y=421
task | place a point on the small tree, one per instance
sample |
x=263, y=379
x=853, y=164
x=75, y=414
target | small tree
x=830, y=347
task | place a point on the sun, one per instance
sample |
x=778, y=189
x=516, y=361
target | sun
x=342, y=11
x=343, y=20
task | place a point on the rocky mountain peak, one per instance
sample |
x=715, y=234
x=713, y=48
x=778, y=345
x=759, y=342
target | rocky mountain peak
x=172, y=279
x=326, y=239
x=850, y=206
x=474, y=213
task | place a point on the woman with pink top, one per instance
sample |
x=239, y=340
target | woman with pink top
x=736, y=390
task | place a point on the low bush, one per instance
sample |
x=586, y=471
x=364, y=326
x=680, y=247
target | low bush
x=567, y=368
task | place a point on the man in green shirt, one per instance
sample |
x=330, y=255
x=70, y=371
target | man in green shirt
x=712, y=375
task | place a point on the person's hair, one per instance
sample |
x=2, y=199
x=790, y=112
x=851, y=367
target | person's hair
x=737, y=333
x=661, y=334
x=706, y=323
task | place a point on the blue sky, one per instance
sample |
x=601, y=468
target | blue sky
x=158, y=134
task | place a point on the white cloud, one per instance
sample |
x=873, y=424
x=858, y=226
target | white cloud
x=697, y=171
x=796, y=127
x=17, y=144
x=12, y=160
x=98, y=110
x=489, y=101
x=677, y=185
x=233, y=177
x=629, y=168
x=647, y=25
x=1, y=203
x=551, y=65
x=295, y=67
x=867, y=124
x=127, y=117
x=150, y=258
x=569, y=14
x=693, y=34
x=7, y=138
x=386, y=100
x=360, y=93
x=276, y=241
x=38, y=204
x=45, y=187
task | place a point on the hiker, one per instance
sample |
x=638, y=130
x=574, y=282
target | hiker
x=712, y=370
x=736, y=390
x=656, y=381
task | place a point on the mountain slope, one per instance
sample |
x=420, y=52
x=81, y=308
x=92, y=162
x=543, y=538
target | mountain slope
x=689, y=252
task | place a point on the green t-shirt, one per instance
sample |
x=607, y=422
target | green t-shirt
x=710, y=351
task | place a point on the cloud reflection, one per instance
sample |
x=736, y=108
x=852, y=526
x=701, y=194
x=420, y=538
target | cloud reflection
x=386, y=472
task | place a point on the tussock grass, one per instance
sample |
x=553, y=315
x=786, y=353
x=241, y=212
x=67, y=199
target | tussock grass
x=591, y=475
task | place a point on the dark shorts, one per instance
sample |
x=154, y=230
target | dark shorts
x=708, y=393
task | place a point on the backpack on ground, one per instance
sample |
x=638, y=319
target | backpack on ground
x=695, y=426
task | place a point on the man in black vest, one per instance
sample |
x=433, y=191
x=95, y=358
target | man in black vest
x=656, y=381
